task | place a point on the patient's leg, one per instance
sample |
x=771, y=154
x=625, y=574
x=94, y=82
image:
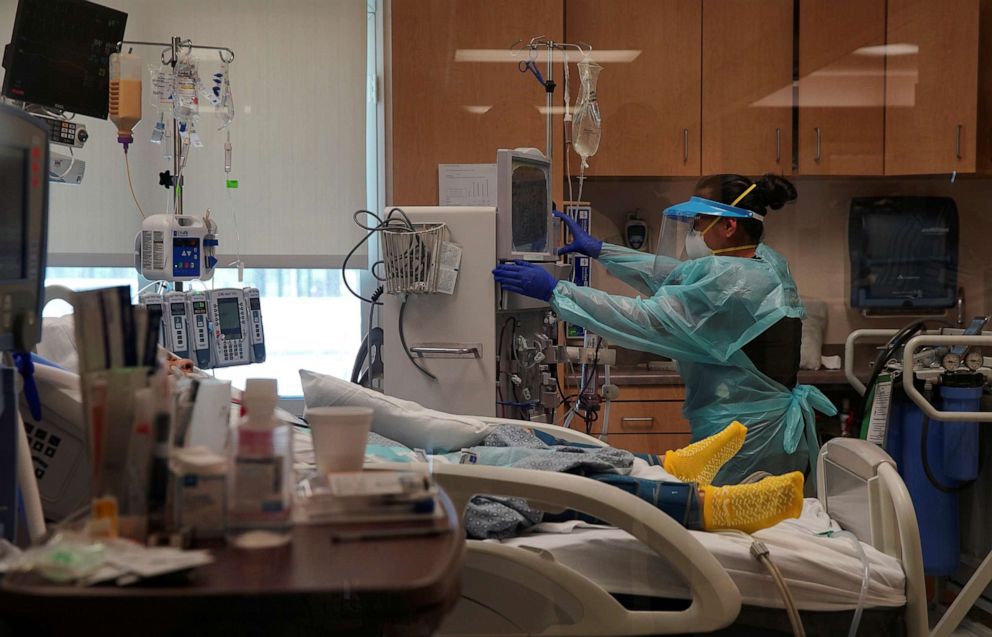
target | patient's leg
x=752, y=507
x=700, y=461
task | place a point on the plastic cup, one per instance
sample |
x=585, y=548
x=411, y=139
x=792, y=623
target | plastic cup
x=339, y=437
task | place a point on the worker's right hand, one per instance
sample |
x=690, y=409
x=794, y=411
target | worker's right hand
x=582, y=241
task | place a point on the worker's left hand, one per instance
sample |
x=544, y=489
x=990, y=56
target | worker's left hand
x=525, y=278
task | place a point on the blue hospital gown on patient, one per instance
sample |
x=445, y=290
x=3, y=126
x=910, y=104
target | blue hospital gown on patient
x=702, y=313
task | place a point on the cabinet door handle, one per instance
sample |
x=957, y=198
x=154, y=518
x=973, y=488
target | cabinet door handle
x=643, y=423
x=957, y=143
x=818, y=145
x=778, y=145
x=685, y=145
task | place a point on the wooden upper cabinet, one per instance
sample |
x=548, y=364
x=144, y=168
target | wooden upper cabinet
x=747, y=86
x=456, y=94
x=931, y=88
x=649, y=88
x=841, y=87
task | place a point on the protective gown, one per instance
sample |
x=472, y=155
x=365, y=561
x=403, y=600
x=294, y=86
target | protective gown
x=701, y=313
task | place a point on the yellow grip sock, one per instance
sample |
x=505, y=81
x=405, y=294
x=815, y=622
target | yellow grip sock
x=752, y=507
x=700, y=461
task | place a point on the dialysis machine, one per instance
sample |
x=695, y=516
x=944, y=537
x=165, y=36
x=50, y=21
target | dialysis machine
x=453, y=340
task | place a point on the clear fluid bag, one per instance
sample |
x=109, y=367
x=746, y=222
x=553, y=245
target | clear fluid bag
x=587, y=123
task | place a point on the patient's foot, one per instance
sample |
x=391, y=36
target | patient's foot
x=752, y=507
x=700, y=461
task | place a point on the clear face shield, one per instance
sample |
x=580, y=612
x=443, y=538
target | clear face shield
x=683, y=229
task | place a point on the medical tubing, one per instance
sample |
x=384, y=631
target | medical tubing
x=794, y=618
x=406, y=350
x=604, y=430
x=760, y=552
x=127, y=169
x=865, y=579
x=925, y=459
x=900, y=339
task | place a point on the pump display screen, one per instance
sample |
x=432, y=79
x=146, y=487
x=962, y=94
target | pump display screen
x=199, y=307
x=530, y=207
x=13, y=213
x=186, y=256
x=178, y=308
x=254, y=304
x=230, y=317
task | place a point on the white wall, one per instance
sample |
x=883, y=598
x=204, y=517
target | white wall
x=299, y=83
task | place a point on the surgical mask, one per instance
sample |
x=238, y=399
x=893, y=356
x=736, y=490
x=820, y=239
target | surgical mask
x=695, y=245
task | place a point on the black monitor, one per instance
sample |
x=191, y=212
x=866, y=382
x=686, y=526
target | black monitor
x=23, y=228
x=59, y=54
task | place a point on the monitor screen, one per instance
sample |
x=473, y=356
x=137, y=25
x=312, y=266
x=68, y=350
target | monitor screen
x=230, y=317
x=13, y=213
x=530, y=207
x=59, y=54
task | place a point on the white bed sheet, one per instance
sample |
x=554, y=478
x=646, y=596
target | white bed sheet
x=823, y=573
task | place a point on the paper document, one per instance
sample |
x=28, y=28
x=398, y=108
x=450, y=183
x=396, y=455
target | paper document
x=466, y=184
x=451, y=261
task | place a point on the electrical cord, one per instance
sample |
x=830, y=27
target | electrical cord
x=382, y=224
x=363, y=350
x=406, y=349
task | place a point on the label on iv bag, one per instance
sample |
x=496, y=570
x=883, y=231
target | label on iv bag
x=450, y=262
x=878, y=422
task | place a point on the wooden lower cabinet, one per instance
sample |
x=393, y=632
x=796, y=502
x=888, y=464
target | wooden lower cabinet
x=646, y=419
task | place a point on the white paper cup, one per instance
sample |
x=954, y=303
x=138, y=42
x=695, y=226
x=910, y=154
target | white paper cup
x=339, y=437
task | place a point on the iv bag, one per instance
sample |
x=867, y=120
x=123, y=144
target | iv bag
x=587, y=124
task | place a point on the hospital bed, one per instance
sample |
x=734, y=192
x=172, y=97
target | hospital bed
x=583, y=580
x=574, y=579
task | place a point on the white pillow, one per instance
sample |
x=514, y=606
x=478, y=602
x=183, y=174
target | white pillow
x=401, y=420
x=813, y=329
x=58, y=342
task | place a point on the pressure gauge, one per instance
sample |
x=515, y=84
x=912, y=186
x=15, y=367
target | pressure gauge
x=974, y=359
x=951, y=361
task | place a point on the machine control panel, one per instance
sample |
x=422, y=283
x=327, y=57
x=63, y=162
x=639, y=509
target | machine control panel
x=158, y=301
x=231, y=335
x=199, y=325
x=65, y=132
x=177, y=322
x=255, y=327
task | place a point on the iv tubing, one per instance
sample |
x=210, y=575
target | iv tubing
x=127, y=168
x=865, y=579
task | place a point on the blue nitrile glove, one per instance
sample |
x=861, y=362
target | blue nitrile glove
x=582, y=241
x=525, y=278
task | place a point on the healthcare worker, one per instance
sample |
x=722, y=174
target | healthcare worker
x=730, y=315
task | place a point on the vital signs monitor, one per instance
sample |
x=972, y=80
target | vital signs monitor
x=23, y=228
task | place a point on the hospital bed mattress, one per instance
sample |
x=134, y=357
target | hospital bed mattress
x=823, y=573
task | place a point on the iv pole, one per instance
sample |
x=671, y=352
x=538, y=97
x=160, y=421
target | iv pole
x=173, y=48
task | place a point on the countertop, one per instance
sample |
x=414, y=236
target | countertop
x=627, y=376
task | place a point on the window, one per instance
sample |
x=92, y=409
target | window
x=311, y=321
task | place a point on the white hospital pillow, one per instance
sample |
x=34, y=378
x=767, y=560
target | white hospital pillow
x=401, y=420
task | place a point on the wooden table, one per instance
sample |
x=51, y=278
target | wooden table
x=311, y=586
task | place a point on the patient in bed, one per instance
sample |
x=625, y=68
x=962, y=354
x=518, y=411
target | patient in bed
x=746, y=507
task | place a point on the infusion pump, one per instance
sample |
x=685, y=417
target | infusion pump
x=215, y=328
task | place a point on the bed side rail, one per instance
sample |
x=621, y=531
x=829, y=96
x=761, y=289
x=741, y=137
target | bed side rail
x=860, y=488
x=715, y=598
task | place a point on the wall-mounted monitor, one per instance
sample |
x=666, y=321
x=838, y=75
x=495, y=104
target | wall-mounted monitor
x=59, y=54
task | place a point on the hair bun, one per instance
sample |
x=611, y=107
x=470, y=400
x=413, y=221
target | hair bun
x=776, y=191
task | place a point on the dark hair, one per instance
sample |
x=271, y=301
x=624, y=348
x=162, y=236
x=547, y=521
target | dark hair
x=772, y=192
